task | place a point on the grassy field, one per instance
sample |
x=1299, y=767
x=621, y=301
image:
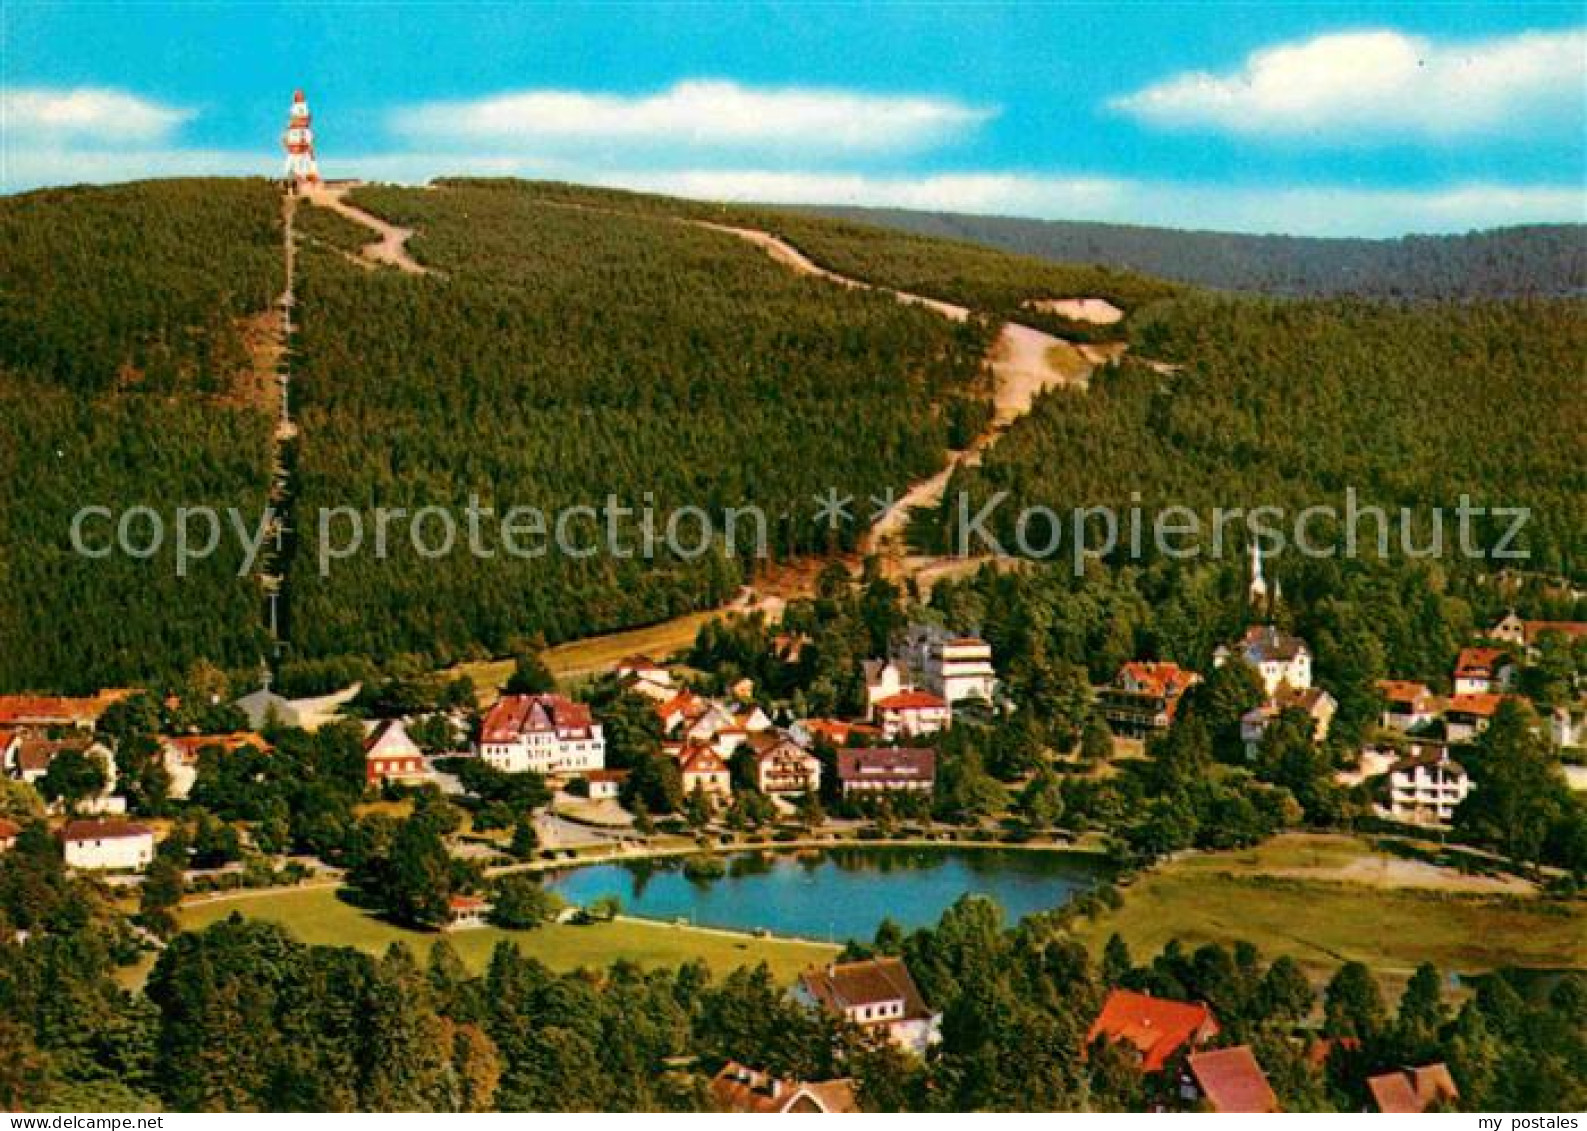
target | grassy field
x=579, y=658
x=315, y=915
x=1328, y=900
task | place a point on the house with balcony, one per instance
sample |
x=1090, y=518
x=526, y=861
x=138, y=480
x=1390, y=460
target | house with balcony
x=1426, y=786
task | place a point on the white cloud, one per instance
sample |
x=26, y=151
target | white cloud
x=699, y=115
x=1295, y=210
x=1375, y=85
x=86, y=114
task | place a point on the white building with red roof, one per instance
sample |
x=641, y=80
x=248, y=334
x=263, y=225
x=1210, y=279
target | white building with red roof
x=702, y=768
x=1145, y=695
x=911, y=713
x=1482, y=671
x=546, y=734
x=391, y=755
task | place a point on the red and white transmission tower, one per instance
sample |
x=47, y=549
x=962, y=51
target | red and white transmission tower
x=298, y=141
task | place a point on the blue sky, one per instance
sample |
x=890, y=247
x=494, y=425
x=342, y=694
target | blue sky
x=1342, y=119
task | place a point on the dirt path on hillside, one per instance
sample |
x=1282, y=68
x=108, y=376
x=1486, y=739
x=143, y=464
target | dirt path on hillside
x=390, y=249
x=1025, y=363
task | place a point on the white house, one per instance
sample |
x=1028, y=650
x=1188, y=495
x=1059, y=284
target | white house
x=883, y=680
x=1277, y=656
x=1319, y=706
x=546, y=734
x=605, y=785
x=878, y=994
x=1426, y=786
x=103, y=845
x=1483, y=671
x=956, y=668
x=911, y=713
x=391, y=755
x=784, y=767
x=1567, y=725
x=643, y=676
x=702, y=768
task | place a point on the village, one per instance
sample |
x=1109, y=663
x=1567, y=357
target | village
x=641, y=761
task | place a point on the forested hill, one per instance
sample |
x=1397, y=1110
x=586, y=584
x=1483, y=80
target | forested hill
x=571, y=344
x=1548, y=259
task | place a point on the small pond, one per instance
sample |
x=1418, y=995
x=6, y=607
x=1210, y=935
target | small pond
x=839, y=893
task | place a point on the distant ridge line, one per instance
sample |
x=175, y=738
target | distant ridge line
x=1537, y=260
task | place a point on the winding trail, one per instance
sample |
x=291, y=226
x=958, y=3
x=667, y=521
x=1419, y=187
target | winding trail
x=390, y=249
x=1025, y=363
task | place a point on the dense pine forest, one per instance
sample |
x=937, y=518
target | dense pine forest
x=572, y=343
x=1291, y=403
x=561, y=354
x=125, y=380
x=1545, y=259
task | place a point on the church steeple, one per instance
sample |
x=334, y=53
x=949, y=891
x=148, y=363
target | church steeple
x=1257, y=592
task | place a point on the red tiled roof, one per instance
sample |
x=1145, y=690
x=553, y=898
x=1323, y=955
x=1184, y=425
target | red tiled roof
x=34, y=755
x=9, y=829
x=516, y=715
x=1403, y=690
x=188, y=745
x=911, y=701
x=1478, y=661
x=1160, y=677
x=1232, y=1080
x=1413, y=1090
x=848, y=985
x=606, y=775
x=682, y=701
x=701, y=760
x=1482, y=704
x=465, y=902
x=102, y=830
x=1532, y=629
x=886, y=763
x=838, y=732
x=49, y=710
x=1156, y=1027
